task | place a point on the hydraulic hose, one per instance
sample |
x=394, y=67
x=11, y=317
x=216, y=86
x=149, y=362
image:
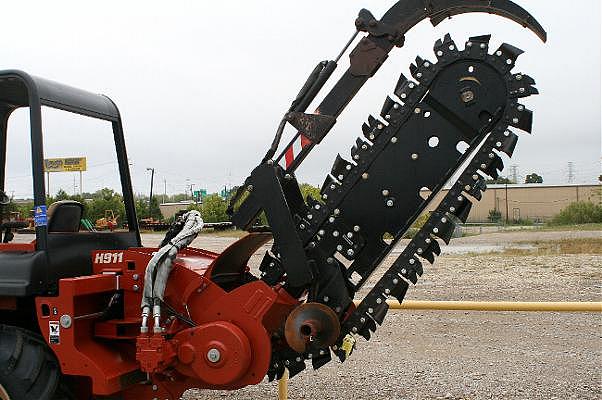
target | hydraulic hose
x=160, y=265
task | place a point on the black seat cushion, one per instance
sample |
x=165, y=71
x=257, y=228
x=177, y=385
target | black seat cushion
x=65, y=216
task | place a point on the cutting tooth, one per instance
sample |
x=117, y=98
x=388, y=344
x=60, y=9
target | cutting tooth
x=417, y=70
x=480, y=39
x=443, y=227
x=366, y=130
x=380, y=311
x=369, y=326
x=476, y=189
x=431, y=250
x=295, y=367
x=520, y=117
x=329, y=184
x=429, y=256
x=365, y=332
x=463, y=210
x=387, y=106
x=445, y=46
x=478, y=46
x=523, y=78
x=508, y=52
x=449, y=43
x=340, y=168
x=370, y=134
x=404, y=87
x=521, y=85
x=400, y=289
x=372, y=121
x=311, y=202
x=491, y=166
x=276, y=372
x=319, y=360
x=280, y=372
x=435, y=248
x=359, y=147
x=375, y=123
x=408, y=268
x=506, y=142
x=417, y=268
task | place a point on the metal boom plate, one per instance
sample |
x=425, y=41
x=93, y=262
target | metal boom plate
x=469, y=97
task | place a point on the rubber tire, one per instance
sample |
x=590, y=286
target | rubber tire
x=28, y=369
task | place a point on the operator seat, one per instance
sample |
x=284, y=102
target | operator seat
x=65, y=216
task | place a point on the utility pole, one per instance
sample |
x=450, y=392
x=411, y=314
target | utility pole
x=164, y=190
x=150, y=198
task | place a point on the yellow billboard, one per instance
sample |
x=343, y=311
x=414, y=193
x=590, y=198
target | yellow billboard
x=71, y=164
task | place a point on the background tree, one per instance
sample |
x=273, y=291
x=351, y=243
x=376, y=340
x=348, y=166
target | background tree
x=102, y=200
x=310, y=190
x=141, y=204
x=154, y=211
x=533, y=178
x=500, y=180
x=214, y=208
x=179, y=197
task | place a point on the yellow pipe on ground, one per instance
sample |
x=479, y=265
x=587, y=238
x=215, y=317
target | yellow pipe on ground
x=283, y=386
x=549, y=306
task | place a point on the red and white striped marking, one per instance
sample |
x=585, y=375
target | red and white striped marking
x=294, y=150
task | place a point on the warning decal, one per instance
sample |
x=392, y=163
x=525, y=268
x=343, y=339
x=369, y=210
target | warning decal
x=40, y=217
x=54, y=332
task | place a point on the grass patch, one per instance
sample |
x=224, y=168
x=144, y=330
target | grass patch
x=551, y=248
x=581, y=212
x=572, y=227
x=570, y=246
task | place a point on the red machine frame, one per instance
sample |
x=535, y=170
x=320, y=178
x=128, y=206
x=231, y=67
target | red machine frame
x=115, y=355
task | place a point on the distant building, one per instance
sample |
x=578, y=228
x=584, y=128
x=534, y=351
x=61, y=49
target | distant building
x=537, y=202
x=168, y=210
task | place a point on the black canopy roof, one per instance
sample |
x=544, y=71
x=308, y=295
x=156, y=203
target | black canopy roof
x=19, y=89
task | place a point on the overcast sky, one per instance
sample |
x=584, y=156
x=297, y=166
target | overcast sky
x=202, y=85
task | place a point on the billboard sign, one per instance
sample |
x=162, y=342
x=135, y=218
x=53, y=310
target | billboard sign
x=71, y=164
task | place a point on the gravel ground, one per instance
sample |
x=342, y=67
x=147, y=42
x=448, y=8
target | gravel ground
x=470, y=355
